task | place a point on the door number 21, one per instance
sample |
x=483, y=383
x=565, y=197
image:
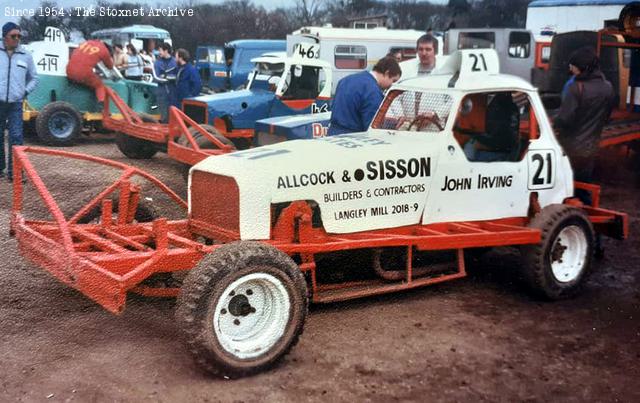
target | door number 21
x=541, y=169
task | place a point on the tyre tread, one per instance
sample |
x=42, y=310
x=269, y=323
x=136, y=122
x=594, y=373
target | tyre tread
x=534, y=256
x=190, y=313
x=42, y=124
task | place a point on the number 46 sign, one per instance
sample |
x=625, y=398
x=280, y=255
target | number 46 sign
x=306, y=50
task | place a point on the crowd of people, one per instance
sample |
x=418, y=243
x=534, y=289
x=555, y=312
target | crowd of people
x=176, y=77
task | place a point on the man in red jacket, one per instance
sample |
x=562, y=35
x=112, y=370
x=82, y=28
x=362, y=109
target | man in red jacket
x=82, y=62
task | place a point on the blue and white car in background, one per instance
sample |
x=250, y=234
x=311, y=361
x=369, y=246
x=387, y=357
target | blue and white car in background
x=278, y=86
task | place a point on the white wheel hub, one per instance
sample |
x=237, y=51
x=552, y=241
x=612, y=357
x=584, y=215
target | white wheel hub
x=251, y=315
x=568, y=254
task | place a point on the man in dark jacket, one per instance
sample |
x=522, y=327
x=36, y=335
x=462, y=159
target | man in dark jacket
x=166, y=69
x=584, y=111
x=188, y=82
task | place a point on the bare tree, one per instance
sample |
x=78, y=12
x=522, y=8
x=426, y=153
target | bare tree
x=310, y=12
x=35, y=26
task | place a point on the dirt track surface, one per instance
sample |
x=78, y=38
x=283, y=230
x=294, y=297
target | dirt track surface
x=482, y=338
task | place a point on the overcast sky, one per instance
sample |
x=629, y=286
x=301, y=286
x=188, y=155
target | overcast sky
x=34, y=4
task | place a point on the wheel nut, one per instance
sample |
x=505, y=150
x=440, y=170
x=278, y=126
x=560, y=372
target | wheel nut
x=232, y=293
x=223, y=311
x=236, y=322
x=249, y=292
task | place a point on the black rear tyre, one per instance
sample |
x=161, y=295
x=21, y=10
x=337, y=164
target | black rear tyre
x=59, y=124
x=558, y=266
x=135, y=148
x=145, y=212
x=202, y=142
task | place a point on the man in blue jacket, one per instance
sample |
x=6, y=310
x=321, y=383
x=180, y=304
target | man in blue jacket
x=166, y=69
x=18, y=78
x=188, y=82
x=359, y=96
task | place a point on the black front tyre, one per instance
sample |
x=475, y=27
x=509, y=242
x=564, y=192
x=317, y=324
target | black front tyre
x=202, y=142
x=242, y=308
x=135, y=148
x=145, y=212
x=558, y=266
x=59, y=124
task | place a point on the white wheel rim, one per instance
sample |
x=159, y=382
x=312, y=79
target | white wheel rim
x=568, y=254
x=251, y=315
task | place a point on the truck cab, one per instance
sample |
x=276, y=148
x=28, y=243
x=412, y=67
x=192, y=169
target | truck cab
x=225, y=68
x=351, y=50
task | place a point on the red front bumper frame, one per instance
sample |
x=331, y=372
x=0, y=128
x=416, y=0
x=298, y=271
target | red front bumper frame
x=165, y=135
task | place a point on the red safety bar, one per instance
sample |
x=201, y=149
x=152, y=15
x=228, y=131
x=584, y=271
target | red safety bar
x=131, y=124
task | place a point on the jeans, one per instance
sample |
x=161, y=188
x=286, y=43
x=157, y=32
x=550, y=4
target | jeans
x=11, y=112
x=165, y=94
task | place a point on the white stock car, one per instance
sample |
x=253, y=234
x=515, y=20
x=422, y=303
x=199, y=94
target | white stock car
x=336, y=218
x=387, y=178
x=411, y=190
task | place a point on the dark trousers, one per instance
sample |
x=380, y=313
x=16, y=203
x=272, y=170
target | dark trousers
x=583, y=172
x=11, y=118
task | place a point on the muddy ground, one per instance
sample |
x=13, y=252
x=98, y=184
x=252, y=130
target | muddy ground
x=482, y=338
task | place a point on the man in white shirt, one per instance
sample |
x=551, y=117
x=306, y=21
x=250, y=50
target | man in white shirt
x=426, y=48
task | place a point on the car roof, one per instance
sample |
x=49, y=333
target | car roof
x=280, y=59
x=489, y=82
x=257, y=43
x=470, y=70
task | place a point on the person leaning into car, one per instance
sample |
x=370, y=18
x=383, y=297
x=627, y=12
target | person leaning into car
x=82, y=62
x=359, y=95
x=18, y=78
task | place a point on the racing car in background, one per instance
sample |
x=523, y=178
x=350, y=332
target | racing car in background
x=58, y=109
x=278, y=86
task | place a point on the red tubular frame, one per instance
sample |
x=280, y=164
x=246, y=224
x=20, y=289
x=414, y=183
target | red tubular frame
x=105, y=261
x=622, y=132
x=123, y=259
x=132, y=125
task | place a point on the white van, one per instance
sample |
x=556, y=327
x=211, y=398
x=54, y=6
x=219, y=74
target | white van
x=350, y=50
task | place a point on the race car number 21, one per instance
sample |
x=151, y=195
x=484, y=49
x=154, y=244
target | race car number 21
x=541, y=169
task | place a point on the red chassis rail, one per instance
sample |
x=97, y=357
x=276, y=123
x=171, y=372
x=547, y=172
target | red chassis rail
x=107, y=260
x=163, y=134
x=624, y=126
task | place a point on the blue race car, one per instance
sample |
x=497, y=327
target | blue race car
x=278, y=86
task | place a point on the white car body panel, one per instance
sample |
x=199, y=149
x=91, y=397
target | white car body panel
x=434, y=183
